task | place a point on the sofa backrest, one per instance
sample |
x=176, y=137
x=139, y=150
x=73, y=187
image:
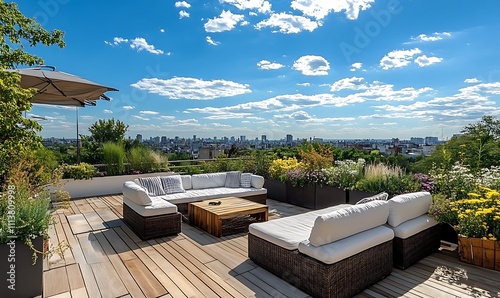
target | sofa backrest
x=408, y=206
x=210, y=180
x=186, y=182
x=257, y=181
x=348, y=221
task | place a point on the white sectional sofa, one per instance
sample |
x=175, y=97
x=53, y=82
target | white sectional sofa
x=154, y=199
x=339, y=251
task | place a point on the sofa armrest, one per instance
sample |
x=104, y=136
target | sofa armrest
x=136, y=193
x=257, y=181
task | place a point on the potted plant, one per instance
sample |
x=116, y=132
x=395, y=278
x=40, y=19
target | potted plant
x=300, y=190
x=343, y=176
x=276, y=183
x=25, y=218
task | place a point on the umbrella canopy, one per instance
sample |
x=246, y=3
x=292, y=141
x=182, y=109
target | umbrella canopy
x=60, y=88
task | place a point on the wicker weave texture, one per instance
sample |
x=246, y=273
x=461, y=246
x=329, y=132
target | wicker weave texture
x=152, y=226
x=412, y=249
x=342, y=279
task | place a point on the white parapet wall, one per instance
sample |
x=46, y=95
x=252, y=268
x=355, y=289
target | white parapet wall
x=102, y=186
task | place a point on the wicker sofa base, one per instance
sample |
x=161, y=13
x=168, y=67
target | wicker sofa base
x=342, y=279
x=412, y=249
x=152, y=226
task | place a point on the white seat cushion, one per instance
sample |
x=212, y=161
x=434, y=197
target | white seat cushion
x=408, y=206
x=158, y=207
x=414, y=226
x=336, y=251
x=257, y=181
x=193, y=195
x=288, y=232
x=348, y=221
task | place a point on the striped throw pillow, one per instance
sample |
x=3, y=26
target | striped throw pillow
x=152, y=185
x=233, y=179
x=172, y=184
x=246, y=180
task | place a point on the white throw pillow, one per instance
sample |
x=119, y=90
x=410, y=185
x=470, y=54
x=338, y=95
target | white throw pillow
x=210, y=180
x=383, y=196
x=348, y=221
x=233, y=179
x=172, y=184
x=408, y=206
x=152, y=185
x=246, y=180
x=257, y=181
x=136, y=193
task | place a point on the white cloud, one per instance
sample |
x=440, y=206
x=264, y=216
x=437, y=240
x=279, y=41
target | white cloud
x=128, y=107
x=141, y=118
x=304, y=84
x=261, y=6
x=191, y=88
x=226, y=22
x=353, y=83
x=140, y=44
x=106, y=111
x=433, y=37
x=211, y=41
x=423, y=60
x=116, y=41
x=183, y=14
x=86, y=117
x=183, y=4
x=253, y=14
x=472, y=81
x=288, y=23
x=398, y=58
x=148, y=113
x=265, y=64
x=162, y=30
x=321, y=8
x=312, y=65
x=356, y=66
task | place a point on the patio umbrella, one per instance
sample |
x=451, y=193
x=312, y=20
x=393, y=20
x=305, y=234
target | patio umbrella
x=60, y=88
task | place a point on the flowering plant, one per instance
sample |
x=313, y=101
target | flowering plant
x=280, y=167
x=301, y=178
x=477, y=215
x=345, y=174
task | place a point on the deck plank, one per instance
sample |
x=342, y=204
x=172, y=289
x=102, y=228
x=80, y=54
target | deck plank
x=78, y=224
x=94, y=220
x=55, y=282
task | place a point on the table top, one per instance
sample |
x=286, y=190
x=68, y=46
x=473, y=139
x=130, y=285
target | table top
x=228, y=205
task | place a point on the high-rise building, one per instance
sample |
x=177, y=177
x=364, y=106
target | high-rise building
x=243, y=138
x=431, y=140
x=289, y=139
x=138, y=137
x=264, y=138
x=194, y=138
x=163, y=139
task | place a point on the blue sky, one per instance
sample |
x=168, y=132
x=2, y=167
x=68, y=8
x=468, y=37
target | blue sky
x=311, y=68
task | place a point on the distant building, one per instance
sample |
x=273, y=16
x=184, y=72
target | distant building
x=431, y=140
x=417, y=141
x=138, y=137
x=243, y=138
x=163, y=139
x=264, y=138
x=289, y=139
x=209, y=152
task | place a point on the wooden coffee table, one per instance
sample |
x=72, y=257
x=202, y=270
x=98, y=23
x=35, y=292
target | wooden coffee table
x=232, y=216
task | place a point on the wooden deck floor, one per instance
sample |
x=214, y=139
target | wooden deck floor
x=107, y=259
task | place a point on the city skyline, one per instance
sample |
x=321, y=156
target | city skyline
x=330, y=69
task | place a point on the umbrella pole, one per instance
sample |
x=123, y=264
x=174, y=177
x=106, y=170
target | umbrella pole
x=77, y=139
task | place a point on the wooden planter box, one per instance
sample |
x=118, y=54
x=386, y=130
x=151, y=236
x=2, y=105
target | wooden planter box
x=327, y=196
x=25, y=277
x=301, y=196
x=479, y=252
x=276, y=190
x=355, y=196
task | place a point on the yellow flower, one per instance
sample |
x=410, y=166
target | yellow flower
x=493, y=238
x=484, y=238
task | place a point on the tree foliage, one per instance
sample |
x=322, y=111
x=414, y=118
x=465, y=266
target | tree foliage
x=102, y=131
x=18, y=135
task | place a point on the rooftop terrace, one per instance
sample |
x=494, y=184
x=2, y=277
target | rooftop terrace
x=107, y=259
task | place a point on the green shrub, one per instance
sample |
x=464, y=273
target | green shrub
x=79, y=172
x=114, y=158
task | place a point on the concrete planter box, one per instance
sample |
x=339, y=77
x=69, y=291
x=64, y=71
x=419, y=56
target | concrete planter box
x=102, y=186
x=327, y=196
x=355, y=196
x=26, y=277
x=301, y=196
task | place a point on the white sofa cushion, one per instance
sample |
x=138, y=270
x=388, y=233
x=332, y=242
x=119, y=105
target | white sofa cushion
x=348, y=221
x=158, y=207
x=194, y=195
x=257, y=181
x=336, y=251
x=288, y=232
x=246, y=180
x=211, y=180
x=408, y=206
x=172, y=184
x=414, y=226
x=152, y=185
x=136, y=193
x=186, y=182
